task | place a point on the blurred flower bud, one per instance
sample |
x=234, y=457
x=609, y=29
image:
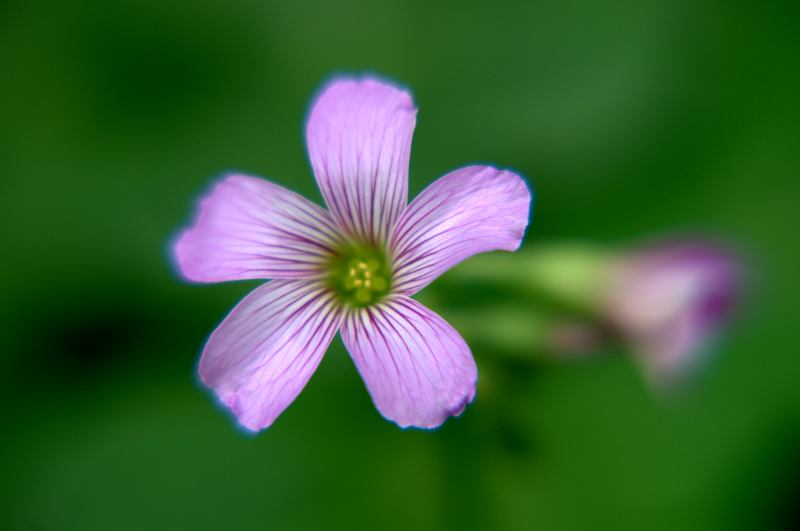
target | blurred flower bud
x=668, y=300
x=665, y=301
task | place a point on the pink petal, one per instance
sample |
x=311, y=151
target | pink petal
x=470, y=210
x=359, y=142
x=416, y=366
x=251, y=228
x=264, y=352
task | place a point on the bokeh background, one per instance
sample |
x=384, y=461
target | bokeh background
x=631, y=119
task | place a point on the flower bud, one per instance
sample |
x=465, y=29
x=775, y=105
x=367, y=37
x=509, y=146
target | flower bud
x=668, y=301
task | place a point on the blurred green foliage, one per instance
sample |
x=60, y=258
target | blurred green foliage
x=630, y=119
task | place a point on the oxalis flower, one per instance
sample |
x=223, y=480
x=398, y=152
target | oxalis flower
x=351, y=268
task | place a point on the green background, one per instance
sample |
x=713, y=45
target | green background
x=631, y=119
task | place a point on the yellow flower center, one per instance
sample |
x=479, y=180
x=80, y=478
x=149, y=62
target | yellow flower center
x=360, y=275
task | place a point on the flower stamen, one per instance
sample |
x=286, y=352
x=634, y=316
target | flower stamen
x=360, y=275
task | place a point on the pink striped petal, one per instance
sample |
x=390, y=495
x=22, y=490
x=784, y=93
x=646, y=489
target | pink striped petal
x=251, y=228
x=416, y=366
x=359, y=142
x=264, y=352
x=470, y=210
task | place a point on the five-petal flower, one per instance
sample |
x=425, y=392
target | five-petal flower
x=352, y=267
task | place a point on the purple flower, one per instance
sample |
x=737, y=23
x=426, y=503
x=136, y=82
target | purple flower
x=669, y=300
x=352, y=267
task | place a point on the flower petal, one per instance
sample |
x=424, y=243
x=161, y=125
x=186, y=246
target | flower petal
x=264, y=352
x=416, y=366
x=251, y=228
x=359, y=142
x=468, y=211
